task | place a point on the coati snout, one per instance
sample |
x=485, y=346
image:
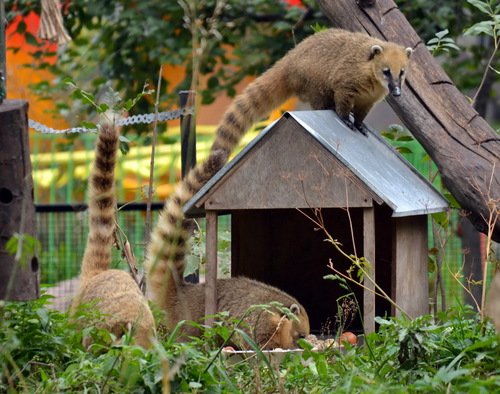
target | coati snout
x=393, y=67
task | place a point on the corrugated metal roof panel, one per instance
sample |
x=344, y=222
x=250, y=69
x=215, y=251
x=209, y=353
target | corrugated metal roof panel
x=370, y=158
x=376, y=163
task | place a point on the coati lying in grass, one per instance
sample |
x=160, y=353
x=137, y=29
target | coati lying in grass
x=184, y=301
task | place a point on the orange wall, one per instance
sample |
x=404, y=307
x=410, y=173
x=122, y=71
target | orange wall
x=20, y=77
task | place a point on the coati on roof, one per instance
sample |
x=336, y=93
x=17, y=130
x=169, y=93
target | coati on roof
x=115, y=293
x=184, y=301
x=333, y=69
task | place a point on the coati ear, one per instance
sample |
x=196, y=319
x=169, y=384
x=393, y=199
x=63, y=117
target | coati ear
x=409, y=51
x=295, y=309
x=375, y=50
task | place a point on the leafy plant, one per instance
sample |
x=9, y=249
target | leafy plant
x=489, y=27
x=195, y=259
x=441, y=43
x=40, y=351
x=23, y=246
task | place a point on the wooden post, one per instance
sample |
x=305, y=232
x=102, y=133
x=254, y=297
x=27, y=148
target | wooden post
x=188, y=132
x=369, y=254
x=19, y=272
x=211, y=267
x=410, y=282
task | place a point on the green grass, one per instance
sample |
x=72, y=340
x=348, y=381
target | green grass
x=40, y=352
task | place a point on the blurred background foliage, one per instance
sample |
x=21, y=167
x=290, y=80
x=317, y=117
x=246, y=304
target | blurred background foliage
x=121, y=44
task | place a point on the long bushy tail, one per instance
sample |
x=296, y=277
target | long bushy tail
x=258, y=99
x=102, y=204
x=167, y=249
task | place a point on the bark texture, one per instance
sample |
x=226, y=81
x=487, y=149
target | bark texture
x=19, y=276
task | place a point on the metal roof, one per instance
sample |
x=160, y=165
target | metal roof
x=378, y=165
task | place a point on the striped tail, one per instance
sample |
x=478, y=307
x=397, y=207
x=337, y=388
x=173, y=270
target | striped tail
x=167, y=249
x=102, y=204
x=257, y=101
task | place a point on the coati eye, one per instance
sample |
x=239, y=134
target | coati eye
x=401, y=72
x=387, y=72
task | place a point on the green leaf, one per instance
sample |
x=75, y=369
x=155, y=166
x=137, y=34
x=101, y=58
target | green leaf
x=404, y=149
x=480, y=5
x=390, y=135
x=431, y=265
x=11, y=245
x=442, y=33
x=44, y=316
x=213, y=82
x=101, y=108
x=21, y=27
x=124, y=147
x=87, y=97
x=318, y=27
x=124, y=139
x=446, y=376
x=441, y=218
x=406, y=138
x=452, y=200
x=31, y=39
x=88, y=125
x=484, y=27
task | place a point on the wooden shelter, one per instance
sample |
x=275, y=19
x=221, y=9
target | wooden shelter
x=371, y=199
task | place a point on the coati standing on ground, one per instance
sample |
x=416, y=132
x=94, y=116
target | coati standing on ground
x=184, y=301
x=333, y=69
x=115, y=293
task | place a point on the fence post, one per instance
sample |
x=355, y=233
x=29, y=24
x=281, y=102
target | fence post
x=188, y=148
x=188, y=132
x=19, y=275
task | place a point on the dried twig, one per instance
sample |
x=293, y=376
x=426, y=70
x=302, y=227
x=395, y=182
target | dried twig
x=357, y=262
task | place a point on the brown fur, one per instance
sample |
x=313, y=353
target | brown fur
x=166, y=252
x=115, y=293
x=183, y=301
x=333, y=69
x=236, y=296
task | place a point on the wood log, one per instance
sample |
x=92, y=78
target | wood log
x=464, y=147
x=18, y=274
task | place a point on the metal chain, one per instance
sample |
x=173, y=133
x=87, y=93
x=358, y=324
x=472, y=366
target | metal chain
x=134, y=119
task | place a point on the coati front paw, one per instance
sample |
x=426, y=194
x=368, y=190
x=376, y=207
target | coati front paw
x=361, y=127
x=348, y=122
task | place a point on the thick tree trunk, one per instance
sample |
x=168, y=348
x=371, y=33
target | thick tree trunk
x=19, y=272
x=461, y=143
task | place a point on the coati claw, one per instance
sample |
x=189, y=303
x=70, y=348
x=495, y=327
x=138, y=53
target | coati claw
x=362, y=128
x=348, y=123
